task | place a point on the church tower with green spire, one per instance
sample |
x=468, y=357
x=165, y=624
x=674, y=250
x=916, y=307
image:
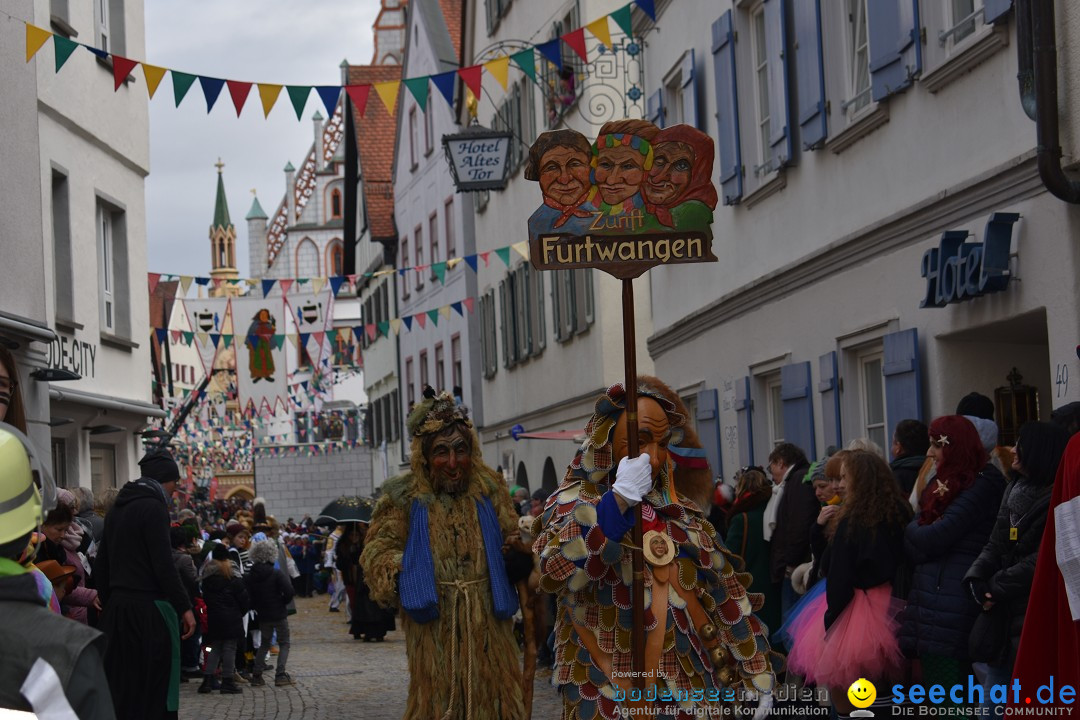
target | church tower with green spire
x=222, y=243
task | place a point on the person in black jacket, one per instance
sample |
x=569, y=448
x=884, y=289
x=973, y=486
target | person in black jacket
x=910, y=442
x=956, y=513
x=1000, y=578
x=849, y=630
x=142, y=594
x=788, y=518
x=270, y=592
x=226, y=601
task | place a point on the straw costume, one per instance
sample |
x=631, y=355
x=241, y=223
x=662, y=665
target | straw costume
x=435, y=547
x=706, y=642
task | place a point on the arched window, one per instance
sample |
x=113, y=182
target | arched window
x=335, y=204
x=336, y=261
x=307, y=259
x=221, y=253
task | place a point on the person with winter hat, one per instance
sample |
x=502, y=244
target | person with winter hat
x=147, y=610
x=270, y=592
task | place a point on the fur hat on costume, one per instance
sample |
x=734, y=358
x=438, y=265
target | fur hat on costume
x=435, y=413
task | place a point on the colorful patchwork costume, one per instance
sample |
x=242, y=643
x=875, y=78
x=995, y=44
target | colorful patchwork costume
x=707, y=646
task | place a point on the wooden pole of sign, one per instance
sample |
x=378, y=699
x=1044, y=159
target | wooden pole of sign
x=638, y=596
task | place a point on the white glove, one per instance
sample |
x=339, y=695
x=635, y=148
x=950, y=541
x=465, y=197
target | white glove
x=764, y=706
x=633, y=478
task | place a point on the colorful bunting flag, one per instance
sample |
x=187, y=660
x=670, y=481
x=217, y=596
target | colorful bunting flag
x=359, y=96
x=648, y=8
x=552, y=51
x=439, y=269
x=469, y=304
x=622, y=18
x=575, y=40
x=473, y=78
x=35, y=38
x=504, y=255
x=62, y=49
x=456, y=307
x=329, y=95
x=239, y=93
x=526, y=60
x=269, y=95
x=499, y=69
x=388, y=92
x=444, y=82
x=122, y=67
x=599, y=29
x=154, y=76
x=298, y=94
x=421, y=318
x=419, y=89
x=181, y=83
x=522, y=248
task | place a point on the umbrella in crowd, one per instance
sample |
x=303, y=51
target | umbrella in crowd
x=347, y=508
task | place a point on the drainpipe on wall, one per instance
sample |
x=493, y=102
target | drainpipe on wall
x=1041, y=13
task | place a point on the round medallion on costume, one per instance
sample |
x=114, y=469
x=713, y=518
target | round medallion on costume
x=659, y=548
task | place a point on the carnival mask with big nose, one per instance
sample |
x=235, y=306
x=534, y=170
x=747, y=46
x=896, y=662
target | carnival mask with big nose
x=619, y=172
x=564, y=175
x=450, y=460
x=654, y=434
x=670, y=174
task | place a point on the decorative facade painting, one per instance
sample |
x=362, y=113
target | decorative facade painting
x=261, y=367
x=635, y=180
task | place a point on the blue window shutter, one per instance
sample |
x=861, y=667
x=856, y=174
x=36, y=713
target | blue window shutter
x=830, y=399
x=727, y=111
x=810, y=73
x=744, y=414
x=798, y=407
x=995, y=9
x=689, y=90
x=895, y=49
x=708, y=428
x=903, y=378
x=776, y=52
x=654, y=108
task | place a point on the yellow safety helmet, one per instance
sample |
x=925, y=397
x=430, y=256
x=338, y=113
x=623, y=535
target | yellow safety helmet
x=22, y=506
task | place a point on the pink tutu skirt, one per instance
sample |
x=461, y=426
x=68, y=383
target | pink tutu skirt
x=862, y=643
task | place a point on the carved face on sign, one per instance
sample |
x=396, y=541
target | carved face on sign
x=671, y=173
x=564, y=174
x=619, y=172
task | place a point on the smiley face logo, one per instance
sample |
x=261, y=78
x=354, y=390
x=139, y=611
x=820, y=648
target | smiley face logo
x=862, y=693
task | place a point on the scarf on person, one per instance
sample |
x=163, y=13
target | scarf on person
x=566, y=211
x=417, y=580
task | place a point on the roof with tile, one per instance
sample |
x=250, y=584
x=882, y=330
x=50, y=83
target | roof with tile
x=452, y=11
x=375, y=131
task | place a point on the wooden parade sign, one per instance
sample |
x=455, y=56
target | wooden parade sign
x=638, y=197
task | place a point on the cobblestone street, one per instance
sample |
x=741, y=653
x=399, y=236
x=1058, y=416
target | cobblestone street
x=336, y=678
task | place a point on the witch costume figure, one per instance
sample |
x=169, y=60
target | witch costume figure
x=435, y=546
x=703, y=644
x=621, y=157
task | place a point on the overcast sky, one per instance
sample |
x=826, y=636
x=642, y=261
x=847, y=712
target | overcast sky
x=272, y=41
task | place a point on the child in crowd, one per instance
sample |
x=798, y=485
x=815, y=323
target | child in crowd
x=270, y=591
x=226, y=603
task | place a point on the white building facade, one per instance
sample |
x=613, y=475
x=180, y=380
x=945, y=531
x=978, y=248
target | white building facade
x=93, y=215
x=551, y=342
x=434, y=223
x=886, y=243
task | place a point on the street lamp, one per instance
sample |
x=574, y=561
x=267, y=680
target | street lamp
x=478, y=158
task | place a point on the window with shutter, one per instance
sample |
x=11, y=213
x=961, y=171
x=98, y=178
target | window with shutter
x=744, y=421
x=858, y=59
x=903, y=377
x=774, y=13
x=538, y=316
x=727, y=109
x=590, y=300
x=504, y=326
x=895, y=47
x=708, y=427
x=557, y=304
x=762, y=93
x=654, y=108
x=798, y=407
x=828, y=388
x=809, y=73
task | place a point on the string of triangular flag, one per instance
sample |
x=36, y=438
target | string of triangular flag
x=388, y=91
x=343, y=335
x=336, y=282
